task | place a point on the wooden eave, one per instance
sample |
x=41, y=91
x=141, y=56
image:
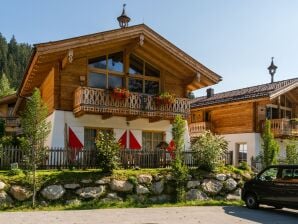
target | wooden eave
x=288, y=89
x=8, y=99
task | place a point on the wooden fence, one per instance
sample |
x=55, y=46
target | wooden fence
x=63, y=158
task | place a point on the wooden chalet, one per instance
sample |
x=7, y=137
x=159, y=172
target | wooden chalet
x=110, y=81
x=239, y=115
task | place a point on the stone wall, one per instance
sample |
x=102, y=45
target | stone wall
x=144, y=188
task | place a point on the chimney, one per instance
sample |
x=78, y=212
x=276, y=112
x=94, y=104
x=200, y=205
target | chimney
x=210, y=92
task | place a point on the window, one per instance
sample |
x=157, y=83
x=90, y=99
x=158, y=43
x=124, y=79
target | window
x=242, y=152
x=90, y=136
x=143, y=77
x=151, y=139
x=269, y=174
x=106, y=71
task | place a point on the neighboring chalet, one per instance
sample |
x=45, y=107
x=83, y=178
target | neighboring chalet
x=239, y=116
x=78, y=78
x=12, y=123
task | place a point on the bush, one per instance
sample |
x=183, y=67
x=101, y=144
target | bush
x=15, y=172
x=107, y=151
x=244, y=166
x=209, y=150
x=292, y=152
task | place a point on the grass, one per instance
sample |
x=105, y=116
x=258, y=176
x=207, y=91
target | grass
x=126, y=204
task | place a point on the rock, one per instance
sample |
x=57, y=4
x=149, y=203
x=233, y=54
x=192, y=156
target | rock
x=157, y=177
x=195, y=194
x=20, y=193
x=246, y=176
x=230, y=184
x=2, y=185
x=71, y=186
x=236, y=176
x=121, y=185
x=111, y=197
x=103, y=181
x=43, y=203
x=212, y=186
x=86, y=181
x=91, y=192
x=221, y=176
x=160, y=198
x=233, y=197
x=53, y=192
x=169, y=189
x=169, y=177
x=193, y=184
x=157, y=187
x=140, y=189
x=5, y=199
x=144, y=179
x=137, y=198
x=73, y=202
x=237, y=192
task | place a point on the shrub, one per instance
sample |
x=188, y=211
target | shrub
x=209, y=150
x=292, y=152
x=107, y=151
x=244, y=166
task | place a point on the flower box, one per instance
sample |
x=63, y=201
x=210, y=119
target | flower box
x=120, y=93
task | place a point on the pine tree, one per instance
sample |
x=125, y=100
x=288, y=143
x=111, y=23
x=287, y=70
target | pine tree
x=5, y=88
x=35, y=130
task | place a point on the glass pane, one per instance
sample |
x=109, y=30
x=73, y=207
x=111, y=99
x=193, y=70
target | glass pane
x=99, y=62
x=115, y=81
x=146, y=141
x=135, y=65
x=135, y=85
x=151, y=71
x=89, y=138
x=287, y=173
x=115, y=62
x=269, y=174
x=151, y=87
x=97, y=80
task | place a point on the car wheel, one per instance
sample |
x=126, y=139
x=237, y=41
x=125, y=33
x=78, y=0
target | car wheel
x=251, y=201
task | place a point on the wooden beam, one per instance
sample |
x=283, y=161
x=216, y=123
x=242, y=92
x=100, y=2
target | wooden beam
x=106, y=116
x=154, y=119
x=132, y=118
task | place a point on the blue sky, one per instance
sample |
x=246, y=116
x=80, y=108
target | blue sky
x=234, y=38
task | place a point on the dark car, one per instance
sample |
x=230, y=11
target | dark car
x=276, y=186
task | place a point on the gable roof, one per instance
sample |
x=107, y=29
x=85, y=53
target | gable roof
x=270, y=90
x=44, y=54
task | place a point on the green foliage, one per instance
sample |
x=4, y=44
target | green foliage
x=270, y=147
x=2, y=127
x=13, y=59
x=35, y=130
x=244, y=166
x=5, y=88
x=107, y=151
x=209, y=150
x=179, y=169
x=15, y=172
x=292, y=152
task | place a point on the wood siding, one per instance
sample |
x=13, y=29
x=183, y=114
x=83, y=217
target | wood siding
x=47, y=91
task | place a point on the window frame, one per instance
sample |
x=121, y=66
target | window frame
x=97, y=129
x=240, y=160
x=153, y=148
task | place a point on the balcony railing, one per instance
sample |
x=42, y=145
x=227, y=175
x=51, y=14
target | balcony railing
x=11, y=121
x=195, y=129
x=100, y=101
x=284, y=127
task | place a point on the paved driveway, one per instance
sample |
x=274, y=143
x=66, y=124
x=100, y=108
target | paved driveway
x=181, y=215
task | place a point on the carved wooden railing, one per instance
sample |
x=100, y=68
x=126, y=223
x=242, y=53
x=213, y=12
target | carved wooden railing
x=195, y=129
x=283, y=127
x=11, y=121
x=92, y=100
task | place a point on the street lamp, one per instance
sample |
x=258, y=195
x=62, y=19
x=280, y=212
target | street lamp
x=272, y=69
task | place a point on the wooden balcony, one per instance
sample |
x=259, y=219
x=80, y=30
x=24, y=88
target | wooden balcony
x=100, y=101
x=12, y=121
x=284, y=127
x=195, y=129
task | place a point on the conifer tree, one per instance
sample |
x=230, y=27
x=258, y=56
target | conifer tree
x=5, y=88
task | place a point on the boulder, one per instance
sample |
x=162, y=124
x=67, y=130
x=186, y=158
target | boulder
x=221, y=176
x=86, y=181
x=20, y=193
x=237, y=192
x=73, y=202
x=121, y=185
x=157, y=177
x=230, y=184
x=246, y=175
x=160, y=198
x=144, y=179
x=157, y=187
x=2, y=185
x=71, y=186
x=193, y=184
x=169, y=177
x=91, y=192
x=236, y=176
x=103, y=181
x=137, y=198
x=195, y=194
x=212, y=186
x=5, y=199
x=112, y=197
x=53, y=192
x=140, y=189
x=233, y=197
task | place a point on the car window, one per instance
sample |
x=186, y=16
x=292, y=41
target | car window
x=287, y=174
x=295, y=174
x=269, y=175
